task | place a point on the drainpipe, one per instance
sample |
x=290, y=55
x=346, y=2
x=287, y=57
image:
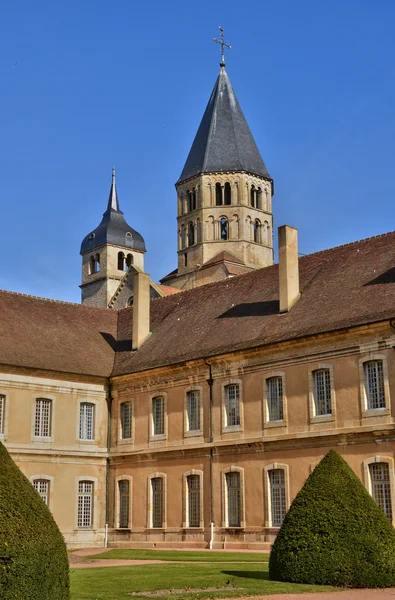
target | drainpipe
x=109, y=411
x=210, y=382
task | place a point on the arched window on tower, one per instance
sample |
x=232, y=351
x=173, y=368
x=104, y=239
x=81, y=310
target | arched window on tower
x=257, y=232
x=224, y=228
x=191, y=234
x=198, y=231
x=183, y=237
x=252, y=196
x=228, y=194
x=97, y=259
x=121, y=261
x=267, y=236
x=218, y=194
x=92, y=265
x=258, y=196
x=129, y=261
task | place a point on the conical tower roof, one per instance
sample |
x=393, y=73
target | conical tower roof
x=223, y=141
x=113, y=228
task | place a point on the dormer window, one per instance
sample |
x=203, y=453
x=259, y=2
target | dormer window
x=128, y=239
x=91, y=236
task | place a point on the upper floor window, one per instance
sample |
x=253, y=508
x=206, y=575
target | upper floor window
x=158, y=415
x=224, y=224
x=218, y=194
x=87, y=414
x=191, y=195
x=227, y=194
x=277, y=496
x=233, y=492
x=124, y=502
x=2, y=413
x=375, y=396
x=126, y=420
x=193, y=410
x=85, y=504
x=257, y=231
x=191, y=234
x=381, y=488
x=193, y=485
x=275, y=409
x=232, y=406
x=43, y=416
x=94, y=264
x=322, y=392
x=157, y=492
x=42, y=487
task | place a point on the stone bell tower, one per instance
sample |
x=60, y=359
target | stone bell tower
x=224, y=207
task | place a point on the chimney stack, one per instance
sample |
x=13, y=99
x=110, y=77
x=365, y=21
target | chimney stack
x=288, y=267
x=141, y=309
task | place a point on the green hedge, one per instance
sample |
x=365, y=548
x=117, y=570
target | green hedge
x=33, y=556
x=334, y=533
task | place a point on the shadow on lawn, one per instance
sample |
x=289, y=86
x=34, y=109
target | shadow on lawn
x=249, y=574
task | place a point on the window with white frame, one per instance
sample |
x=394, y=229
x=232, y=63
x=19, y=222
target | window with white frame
x=157, y=492
x=87, y=421
x=277, y=496
x=381, y=487
x=158, y=415
x=126, y=420
x=374, y=382
x=193, y=517
x=322, y=392
x=275, y=409
x=43, y=416
x=42, y=487
x=232, y=405
x=193, y=410
x=85, y=504
x=2, y=413
x=233, y=493
x=124, y=502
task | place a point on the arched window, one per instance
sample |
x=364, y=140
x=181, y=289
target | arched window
x=121, y=261
x=191, y=234
x=130, y=301
x=199, y=231
x=85, y=505
x=277, y=497
x=257, y=231
x=129, y=261
x=210, y=228
x=258, y=198
x=234, y=499
x=381, y=486
x=124, y=502
x=228, y=194
x=266, y=234
x=97, y=263
x=183, y=237
x=218, y=194
x=92, y=265
x=157, y=501
x=224, y=228
x=193, y=501
x=252, y=196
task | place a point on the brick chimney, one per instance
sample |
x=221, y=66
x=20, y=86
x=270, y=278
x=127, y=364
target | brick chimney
x=288, y=267
x=141, y=309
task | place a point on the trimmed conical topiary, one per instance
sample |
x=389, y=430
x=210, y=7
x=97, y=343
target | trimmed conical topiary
x=334, y=533
x=33, y=556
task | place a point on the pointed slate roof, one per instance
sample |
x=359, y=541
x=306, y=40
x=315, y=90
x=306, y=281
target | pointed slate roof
x=223, y=141
x=113, y=228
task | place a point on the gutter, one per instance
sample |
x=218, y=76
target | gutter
x=210, y=382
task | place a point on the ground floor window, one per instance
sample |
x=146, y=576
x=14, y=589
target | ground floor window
x=381, y=488
x=42, y=487
x=277, y=496
x=157, y=490
x=233, y=492
x=85, y=504
x=193, y=482
x=124, y=502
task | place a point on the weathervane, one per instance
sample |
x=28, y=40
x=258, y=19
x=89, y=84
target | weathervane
x=223, y=44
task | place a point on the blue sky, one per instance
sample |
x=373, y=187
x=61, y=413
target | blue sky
x=88, y=84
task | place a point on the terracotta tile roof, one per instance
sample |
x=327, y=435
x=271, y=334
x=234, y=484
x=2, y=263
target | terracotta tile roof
x=341, y=287
x=57, y=336
x=167, y=290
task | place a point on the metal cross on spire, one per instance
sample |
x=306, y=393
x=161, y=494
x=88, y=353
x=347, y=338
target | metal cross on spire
x=223, y=44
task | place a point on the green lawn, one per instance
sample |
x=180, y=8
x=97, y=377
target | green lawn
x=189, y=556
x=120, y=583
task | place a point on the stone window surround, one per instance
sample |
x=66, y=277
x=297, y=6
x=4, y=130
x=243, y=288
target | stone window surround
x=95, y=404
x=162, y=436
x=197, y=432
x=43, y=439
x=3, y=436
x=51, y=486
x=95, y=503
x=149, y=503
x=117, y=498
x=239, y=470
x=267, y=491
x=120, y=439
x=185, y=512
x=313, y=418
x=265, y=411
x=368, y=482
x=231, y=428
x=374, y=412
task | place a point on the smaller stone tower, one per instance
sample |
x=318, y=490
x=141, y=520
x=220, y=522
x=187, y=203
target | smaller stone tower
x=107, y=253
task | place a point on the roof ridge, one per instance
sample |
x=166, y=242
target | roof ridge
x=52, y=300
x=214, y=94
x=372, y=237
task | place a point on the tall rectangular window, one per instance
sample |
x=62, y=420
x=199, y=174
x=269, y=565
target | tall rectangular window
x=275, y=399
x=42, y=487
x=193, y=482
x=158, y=415
x=193, y=400
x=322, y=392
x=42, y=420
x=277, y=496
x=381, y=488
x=375, y=395
x=2, y=413
x=126, y=420
x=85, y=504
x=124, y=502
x=232, y=405
x=157, y=501
x=234, y=499
x=87, y=414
